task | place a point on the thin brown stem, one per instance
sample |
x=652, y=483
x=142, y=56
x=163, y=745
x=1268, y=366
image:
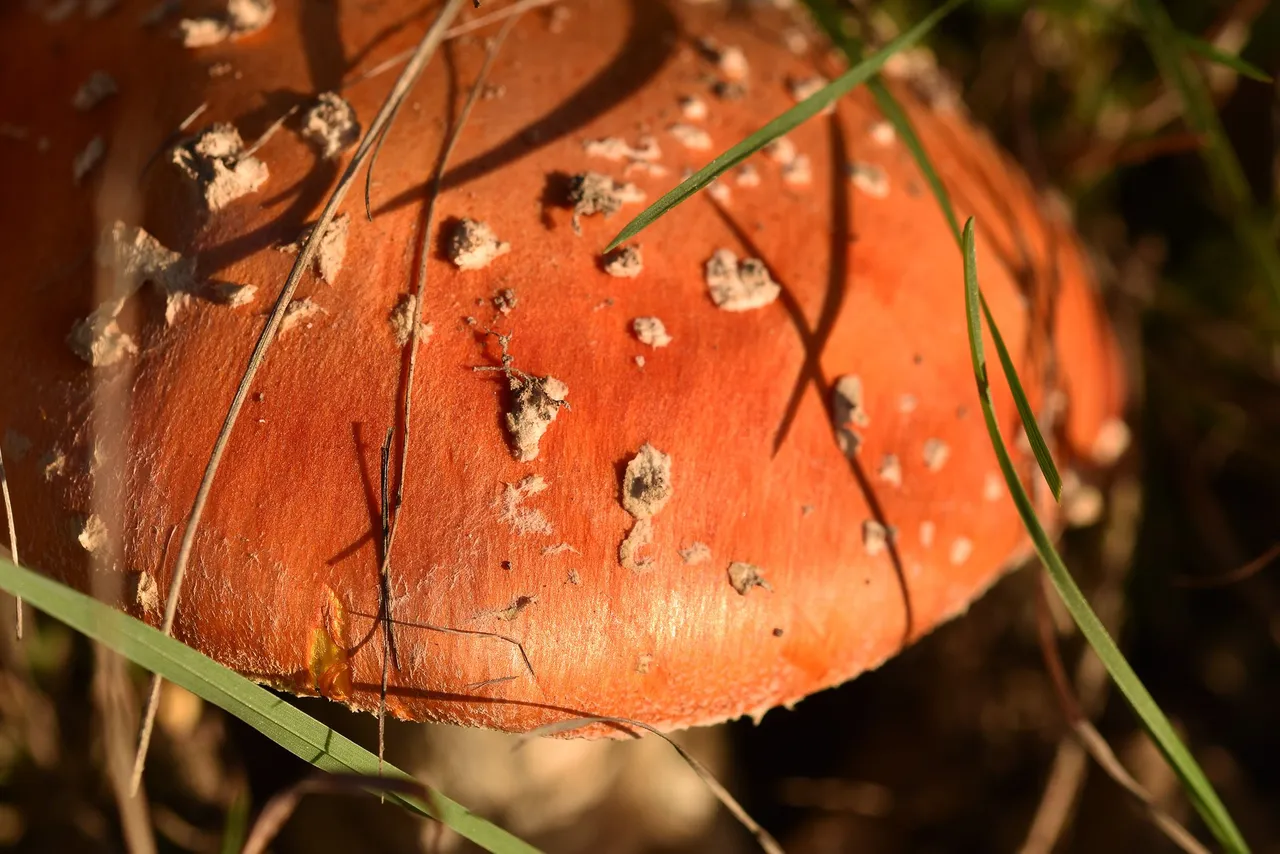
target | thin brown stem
x=404, y=83
x=424, y=252
x=13, y=543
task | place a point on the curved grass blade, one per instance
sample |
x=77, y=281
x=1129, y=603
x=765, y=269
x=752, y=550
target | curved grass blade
x=828, y=17
x=1213, y=53
x=1197, y=786
x=270, y=715
x=792, y=118
x=1168, y=47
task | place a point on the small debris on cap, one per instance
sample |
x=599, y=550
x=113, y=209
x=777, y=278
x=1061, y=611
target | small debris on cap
x=748, y=176
x=592, y=193
x=935, y=454
x=88, y=158
x=693, y=108
x=869, y=178
x=882, y=133
x=535, y=403
x=513, y=610
x=992, y=486
x=1082, y=503
x=16, y=445
x=98, y=87
x=242, y=18
x=644, y=663
x=744, y=576
x=646, y=484
x=798, y=172
x=526, y=520
x=203, y=32
x=134, y=256
x=473, y=245
x=848, y=400
x=626, y=262
x=961, y=549
x=231, y=294
x=330, y=125
x=640, y=535
x=215, y=161
x=93, y=534
x=651, y=331
x=927, y=532
x=331, y=251
x=147, y=594
x=729, y=90
x=730, y=60
x=739, y=285
x=691, y=137
x=98, y=338
x=1111, y=442
x=574, y=577
x=874, y=537
x=695, y=553
x=802, y=88
x=299, y=312
x=890, y=470
x=505, y=300
x=402, y=321
x=617, y=150
x=795, y=40
x=781, y=150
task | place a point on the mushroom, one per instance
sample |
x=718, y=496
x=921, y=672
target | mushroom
x=811, y=563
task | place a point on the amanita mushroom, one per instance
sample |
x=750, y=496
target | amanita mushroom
x=745, y=467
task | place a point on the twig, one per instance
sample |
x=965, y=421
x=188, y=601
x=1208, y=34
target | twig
x=422, y=55
x=1235, y=576
x=278, y=810
x=424, y=251
x=388, y=648
x=763, y=837
x=461, y=30
x=13, y=541
x=1096, y=746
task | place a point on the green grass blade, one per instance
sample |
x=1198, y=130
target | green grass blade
x=1168, y=47
x=287, y=726
x=1215, y=54
x=827, y=16
x=792, y=118
x=1197, y=786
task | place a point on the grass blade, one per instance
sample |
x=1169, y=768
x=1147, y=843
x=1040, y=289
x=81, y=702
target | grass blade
x=1197, y=786
x=287, y=726
x=1168, y=47
x=1213, y=53
x=828, y=17
x=792, y=118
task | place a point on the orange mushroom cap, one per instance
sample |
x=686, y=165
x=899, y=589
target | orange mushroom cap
x=766, y=471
